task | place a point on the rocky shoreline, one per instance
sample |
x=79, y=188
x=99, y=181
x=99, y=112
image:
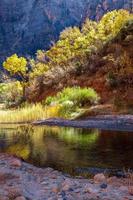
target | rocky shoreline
x=23, y=181
x=106, y=122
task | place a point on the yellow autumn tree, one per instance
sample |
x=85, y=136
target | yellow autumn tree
x=17, y=67
x=113, y=21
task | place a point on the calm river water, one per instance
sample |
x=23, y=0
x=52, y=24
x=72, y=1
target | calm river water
x=66, y=149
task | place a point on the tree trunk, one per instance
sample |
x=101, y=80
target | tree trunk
x=24, y=94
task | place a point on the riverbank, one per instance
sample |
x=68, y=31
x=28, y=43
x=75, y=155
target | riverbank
x=21, y=181
x=106, y=122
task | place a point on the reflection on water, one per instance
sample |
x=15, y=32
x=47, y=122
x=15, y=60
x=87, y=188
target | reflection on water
x=67, y=148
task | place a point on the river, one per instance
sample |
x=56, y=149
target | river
x=68, y=149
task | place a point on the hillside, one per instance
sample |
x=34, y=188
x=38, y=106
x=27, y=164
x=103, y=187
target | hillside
x=26, y=26
x=108, y=70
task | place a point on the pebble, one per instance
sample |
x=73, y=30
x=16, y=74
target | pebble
x=44, y=183
x=4, y=198
x=66, y=187
x=77, y=190
x=103, y=186
x=99, y=178
x=16, y=163
x=88, y=189
x=112, y=179
x=62, y=193
x=71, y=190
x=130, y=190
x=22, y=184
x=123, y=188
x=55, y=189
x=20, y=198
x=13, y=192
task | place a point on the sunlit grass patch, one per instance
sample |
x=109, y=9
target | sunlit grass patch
x=26, y=114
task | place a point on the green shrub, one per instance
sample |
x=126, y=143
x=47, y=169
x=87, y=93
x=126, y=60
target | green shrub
x=66, y=109
x=11, y=93
x=79, y=96
x=49, y=100
x=72, y=99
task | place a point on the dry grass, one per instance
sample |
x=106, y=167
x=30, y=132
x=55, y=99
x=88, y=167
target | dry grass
x=27, y=114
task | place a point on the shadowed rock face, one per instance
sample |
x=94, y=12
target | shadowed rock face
x=28, y=25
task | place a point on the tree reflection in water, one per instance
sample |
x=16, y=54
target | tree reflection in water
x=67, y=148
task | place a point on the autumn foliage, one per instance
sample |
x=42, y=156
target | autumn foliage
x=74, y=52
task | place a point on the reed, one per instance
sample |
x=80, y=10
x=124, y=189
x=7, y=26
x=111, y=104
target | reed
x=27, y=114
